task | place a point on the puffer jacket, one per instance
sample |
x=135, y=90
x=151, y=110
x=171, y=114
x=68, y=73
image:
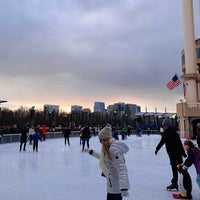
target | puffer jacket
x=193, y=158
x=117, y=173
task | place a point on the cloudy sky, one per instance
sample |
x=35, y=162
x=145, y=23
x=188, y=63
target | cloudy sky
x=75, y=52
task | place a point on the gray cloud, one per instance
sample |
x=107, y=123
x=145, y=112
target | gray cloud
x=78, y=52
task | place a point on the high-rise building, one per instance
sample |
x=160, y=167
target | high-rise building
x=76, y=108
x=50, y=114
x=131, y=109
x=99, y=106
x=50, y=108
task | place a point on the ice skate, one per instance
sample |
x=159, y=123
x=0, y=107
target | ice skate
x=173, y=186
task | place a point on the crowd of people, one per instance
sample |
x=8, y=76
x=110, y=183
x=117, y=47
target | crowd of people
x=33, y=135
x=112, y=159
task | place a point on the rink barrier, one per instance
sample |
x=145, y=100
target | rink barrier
x=10, y=138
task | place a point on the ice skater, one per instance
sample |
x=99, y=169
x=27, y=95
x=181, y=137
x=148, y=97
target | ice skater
x=193, y=158
x=44, y=132
x=174, y=150
x=66, y=133
x=23, y=139
x=36, y=138
x=31, y=131
x=112, y=163
x=85, y=137
x=185, y=184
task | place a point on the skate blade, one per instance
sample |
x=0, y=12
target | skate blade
x=172, y=190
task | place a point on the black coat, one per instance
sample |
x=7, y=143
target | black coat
x=86, y=132
x=23, y=137
x=66, y=132
x=174, y=146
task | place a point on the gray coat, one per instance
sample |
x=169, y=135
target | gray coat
x=117, y=175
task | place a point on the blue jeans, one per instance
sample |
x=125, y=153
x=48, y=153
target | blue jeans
x=83, y=143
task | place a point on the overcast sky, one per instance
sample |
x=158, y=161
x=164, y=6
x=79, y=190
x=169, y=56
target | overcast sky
x=76, y=52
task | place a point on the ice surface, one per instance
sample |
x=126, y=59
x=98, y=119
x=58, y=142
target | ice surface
x=59, y=172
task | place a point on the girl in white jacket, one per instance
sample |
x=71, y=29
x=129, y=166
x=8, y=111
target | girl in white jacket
x=112, y=163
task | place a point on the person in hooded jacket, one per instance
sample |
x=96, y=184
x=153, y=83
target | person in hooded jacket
x=112, y=163
x=174, y=148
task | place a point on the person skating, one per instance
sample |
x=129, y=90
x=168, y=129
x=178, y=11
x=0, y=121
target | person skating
x=185, y=184
x=192, y=158
x=23, y=139
x=36, y=138
x=85, y=137
x=112, y=163
x=31, y=131
x=66, y=133
x=174, y=150
x=44, y=132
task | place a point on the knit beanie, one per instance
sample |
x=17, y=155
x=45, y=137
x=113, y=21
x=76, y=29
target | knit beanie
x=105, y=133
x=166, y=122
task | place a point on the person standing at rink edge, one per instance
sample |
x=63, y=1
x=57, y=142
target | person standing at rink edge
x=112, y=163
x=23, y=138
x=174, y=148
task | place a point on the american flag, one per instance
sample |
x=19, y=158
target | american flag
x=174, y=82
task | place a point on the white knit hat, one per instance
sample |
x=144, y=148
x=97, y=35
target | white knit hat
x=105, y=133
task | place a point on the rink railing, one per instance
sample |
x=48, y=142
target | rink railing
x=9, y=138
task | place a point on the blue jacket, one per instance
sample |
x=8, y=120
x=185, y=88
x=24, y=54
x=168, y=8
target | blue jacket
x=36, y=137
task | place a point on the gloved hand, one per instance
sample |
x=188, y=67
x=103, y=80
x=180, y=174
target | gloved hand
x=184, y=167
x=91, y=152
x=124, y=193
x=156, y=151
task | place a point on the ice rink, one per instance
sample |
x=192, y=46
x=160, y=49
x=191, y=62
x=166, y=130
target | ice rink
x=59, y=172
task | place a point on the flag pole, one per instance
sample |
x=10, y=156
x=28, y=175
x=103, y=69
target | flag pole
x=181, y=79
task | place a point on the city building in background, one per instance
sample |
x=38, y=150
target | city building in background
x=188, y=110
x=76, y=108
x=99, y=106
x=50, y=114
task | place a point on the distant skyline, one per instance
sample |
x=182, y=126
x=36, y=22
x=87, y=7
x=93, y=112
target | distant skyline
x=74, y=52
x=68, y=108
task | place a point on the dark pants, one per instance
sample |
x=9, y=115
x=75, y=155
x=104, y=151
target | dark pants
x=67, y=140
x=83, y=143
x=198, y=141
x=43, y=137
x=175, y=174
x=35, y=146
x=30, y=139
x=24, y=146
x=114, y=196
